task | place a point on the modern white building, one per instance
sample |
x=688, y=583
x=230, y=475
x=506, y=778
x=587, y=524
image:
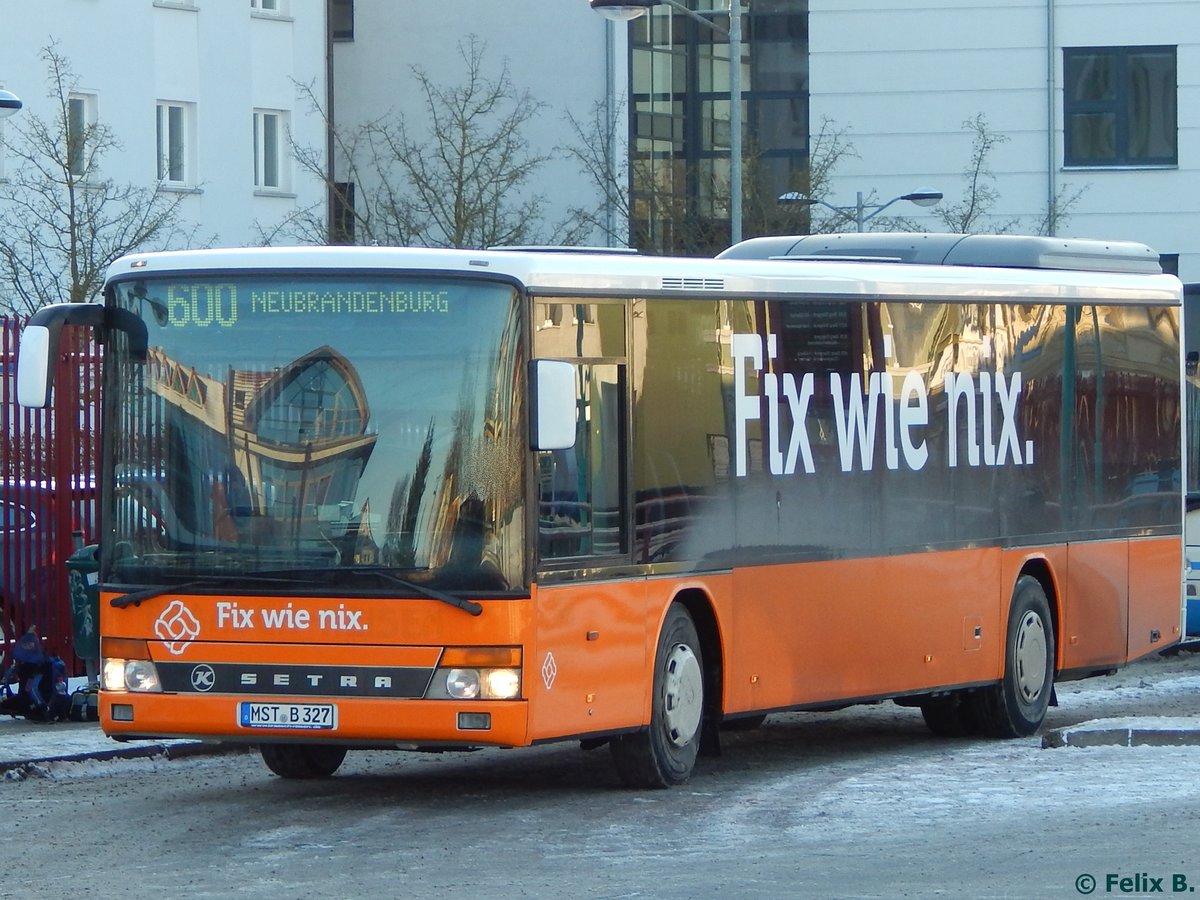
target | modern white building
x=201, y=95
x=569, y=59
x=1097, y=99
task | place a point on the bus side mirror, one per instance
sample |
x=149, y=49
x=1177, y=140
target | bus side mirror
x=33, y=367
x=552, y=389
x=37, y=354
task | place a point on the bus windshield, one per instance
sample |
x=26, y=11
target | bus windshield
x=306, y=426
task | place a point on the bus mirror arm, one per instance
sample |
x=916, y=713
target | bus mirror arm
x=42, y=336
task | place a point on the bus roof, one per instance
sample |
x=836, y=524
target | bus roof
x=991, y=250
x=737, y=272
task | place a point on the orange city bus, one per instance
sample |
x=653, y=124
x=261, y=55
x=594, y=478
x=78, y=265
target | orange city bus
x=375, y=497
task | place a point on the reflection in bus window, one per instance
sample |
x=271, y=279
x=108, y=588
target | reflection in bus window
x=580, y=489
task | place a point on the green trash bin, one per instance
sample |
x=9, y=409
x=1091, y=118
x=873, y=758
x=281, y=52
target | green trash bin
x=83, y=567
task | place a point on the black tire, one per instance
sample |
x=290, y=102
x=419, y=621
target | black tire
x=665, y=753
x=1017, y=705
x=302, y=760
x=950, y=715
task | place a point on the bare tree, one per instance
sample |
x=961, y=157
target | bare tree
x=974, y=211
x=599, y=148
x=828, y=148
x=647, y=200
x=459, y=178
x=63, y=222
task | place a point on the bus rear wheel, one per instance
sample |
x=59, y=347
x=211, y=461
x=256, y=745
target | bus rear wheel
x=665, y=753
x=302, y=760
x=1017, y=705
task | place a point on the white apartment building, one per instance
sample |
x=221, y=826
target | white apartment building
x=201, y=94
x=1095, y=98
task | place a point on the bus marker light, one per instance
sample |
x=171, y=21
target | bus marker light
x=480, y=657
x=474, y=721
x=130, y=648
x=122, y=712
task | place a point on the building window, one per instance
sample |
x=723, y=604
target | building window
x=680, y=133
x=1119, y=106
x=341, y=20
x=269, y=138
x=174, y=142
x=268, y=6
x=81, y=121
x=341, y=204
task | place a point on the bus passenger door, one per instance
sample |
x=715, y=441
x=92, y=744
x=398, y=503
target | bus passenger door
x=588, y=666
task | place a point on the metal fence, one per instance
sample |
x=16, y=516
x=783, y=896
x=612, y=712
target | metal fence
x=48, y=490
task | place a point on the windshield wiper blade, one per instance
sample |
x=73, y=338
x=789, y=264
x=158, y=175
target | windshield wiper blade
x=291, y=577
x=386, y=574
x=136, y=598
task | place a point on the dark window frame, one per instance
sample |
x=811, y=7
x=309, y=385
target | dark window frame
x=341, y=20
x=1118, y=107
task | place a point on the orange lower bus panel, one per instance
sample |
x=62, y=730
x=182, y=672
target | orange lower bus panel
x=790, y=635
x=359, y=721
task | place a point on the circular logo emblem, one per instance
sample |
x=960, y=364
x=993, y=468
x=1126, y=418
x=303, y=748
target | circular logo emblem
x=203, y=677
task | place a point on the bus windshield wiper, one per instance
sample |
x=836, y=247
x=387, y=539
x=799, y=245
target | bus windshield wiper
x=386, y=574
x=291, y=577
x=135, y=598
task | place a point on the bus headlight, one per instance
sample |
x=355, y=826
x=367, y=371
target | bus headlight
x=476, y=684
x=477, y=673
x=463, y=684
x=501, y=684
x=136, y=675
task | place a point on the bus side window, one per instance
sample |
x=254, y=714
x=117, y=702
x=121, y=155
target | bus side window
x=581, y=509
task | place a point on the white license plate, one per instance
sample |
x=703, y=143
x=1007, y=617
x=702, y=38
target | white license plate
x=319, y=716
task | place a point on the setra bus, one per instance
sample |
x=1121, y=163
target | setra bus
x=411, y=498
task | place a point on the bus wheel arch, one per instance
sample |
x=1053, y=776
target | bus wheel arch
x=664, y=753
x=700, y=608
x=1039, y=568
x=1016, y=706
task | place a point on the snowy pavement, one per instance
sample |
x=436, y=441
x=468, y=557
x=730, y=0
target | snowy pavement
x=23, y=742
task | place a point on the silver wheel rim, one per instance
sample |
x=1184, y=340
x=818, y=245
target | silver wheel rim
x=1030, y=657
x=683, y=695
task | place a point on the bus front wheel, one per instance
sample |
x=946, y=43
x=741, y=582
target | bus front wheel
x=302, y=760
x=665, y=753
x=1017, y=705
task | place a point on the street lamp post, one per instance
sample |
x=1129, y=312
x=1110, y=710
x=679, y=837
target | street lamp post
x=9, y=104
x=923, y=197
x=627, y=10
